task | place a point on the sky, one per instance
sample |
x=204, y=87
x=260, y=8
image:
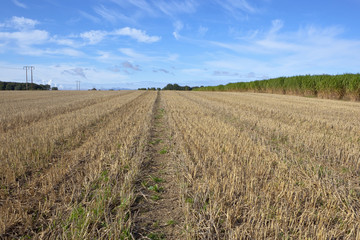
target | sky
x=113, y=44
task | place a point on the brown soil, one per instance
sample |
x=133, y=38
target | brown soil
x=157, y=210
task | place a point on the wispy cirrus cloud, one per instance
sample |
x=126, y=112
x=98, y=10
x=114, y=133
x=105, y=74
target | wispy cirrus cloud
x=93, y=37
x=19, y=4
x=134, y=55
x=112, y=15
x=141, y=57
x=178, y=25
x=172, y=7
x=89, y=17
x=310, y=49
x=237, y=8
x=143, y=5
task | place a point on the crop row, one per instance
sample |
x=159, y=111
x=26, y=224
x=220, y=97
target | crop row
x=71, y=176
x=260, y=166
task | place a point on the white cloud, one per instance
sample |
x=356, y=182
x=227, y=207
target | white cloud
x=25, y=38
x=94, y=36
x=20, y=23
x=64, y=41
x=178, y=25
x=132, y=54
x=136, y=34
x=19, y=4
x=277, y=24
x=202, y=31
x=310, y=50
x=176, y=35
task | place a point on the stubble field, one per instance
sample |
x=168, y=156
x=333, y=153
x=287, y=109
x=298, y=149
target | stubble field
x=178, y=165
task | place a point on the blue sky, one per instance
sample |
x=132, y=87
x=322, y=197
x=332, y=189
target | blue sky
x=149, y=43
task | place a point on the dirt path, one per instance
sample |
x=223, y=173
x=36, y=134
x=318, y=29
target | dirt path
x=157, y=211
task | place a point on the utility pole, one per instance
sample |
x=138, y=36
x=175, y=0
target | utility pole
x=31, y=68
x=26, y=68
x=32, y=82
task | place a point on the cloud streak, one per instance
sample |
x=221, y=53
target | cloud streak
x=178, y=25
x=172, y=8
x=128, y=65
x=162, y=70
x=76, y=72
x=236, y=8
x=111, y=15
x=19, y=4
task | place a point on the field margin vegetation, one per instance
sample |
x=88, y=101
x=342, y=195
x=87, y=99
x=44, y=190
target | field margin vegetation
x=341, y=87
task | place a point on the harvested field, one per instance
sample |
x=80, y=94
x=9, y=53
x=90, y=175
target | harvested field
x=178, y=165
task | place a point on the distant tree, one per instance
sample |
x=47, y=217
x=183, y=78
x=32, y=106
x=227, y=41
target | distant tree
x=18, y=87
x=10, y=86
x=54, y=88
x=177, y=87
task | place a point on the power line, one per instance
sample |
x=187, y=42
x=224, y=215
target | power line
x=10, y=68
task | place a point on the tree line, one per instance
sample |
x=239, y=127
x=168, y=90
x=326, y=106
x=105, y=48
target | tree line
x=23, y=86
x=170, y=86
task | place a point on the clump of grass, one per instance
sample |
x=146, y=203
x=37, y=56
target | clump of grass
x=156, y=179
x=155, y=197
x=156, y=236
x=155, y=142
x=156, y=188
x=163, y=151
x=170, y=222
